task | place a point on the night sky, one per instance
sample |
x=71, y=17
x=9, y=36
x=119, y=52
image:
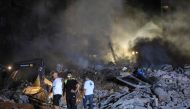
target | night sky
x=13, y=14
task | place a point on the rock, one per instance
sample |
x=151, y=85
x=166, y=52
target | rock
x=125, y=100
x=20, y=98
x=125, y=89
x=179, y=70
x=187, y=66
x=187, y=72
x=186, y=92
x=23, y=99
x=167, y=68
x=161, y=93
x=101, y=93
x=155, y=103
x=3, y=99
x=139, y=107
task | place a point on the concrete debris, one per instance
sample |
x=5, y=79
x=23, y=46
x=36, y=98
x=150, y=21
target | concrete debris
x=138, y=99
x=167, y=68
x=101, y=94
x=187, y=66
x=133, y=81
x=4, y=99
x=169, y=89
x=172, y=88
x=23, y=99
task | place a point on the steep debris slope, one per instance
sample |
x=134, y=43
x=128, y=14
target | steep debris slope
x=170, y=90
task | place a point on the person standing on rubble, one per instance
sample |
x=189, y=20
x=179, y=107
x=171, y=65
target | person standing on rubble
x=71, y=88
x=88, y=92
x=41, y=73
x=57, y=89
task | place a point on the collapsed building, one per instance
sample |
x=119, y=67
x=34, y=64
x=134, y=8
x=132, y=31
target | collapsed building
x=169, y=90
x=166, y=87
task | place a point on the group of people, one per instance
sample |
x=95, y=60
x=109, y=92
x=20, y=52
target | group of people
x=70, y=88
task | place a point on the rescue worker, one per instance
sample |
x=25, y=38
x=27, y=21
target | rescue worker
x=88, y=92
x=41, y=72
x=57, y=88
x=71, y=88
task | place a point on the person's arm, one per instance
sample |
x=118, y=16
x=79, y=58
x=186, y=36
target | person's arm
x=83, y=94
x=77, y=86
x=64, y=88
x=84, y=87
x=50, y=89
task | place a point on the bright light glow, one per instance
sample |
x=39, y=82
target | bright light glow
x=31, y=65
x=9, y=67
x=133, y=52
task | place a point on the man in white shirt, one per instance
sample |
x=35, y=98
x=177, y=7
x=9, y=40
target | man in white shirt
x=88, y=92
x=57, y=90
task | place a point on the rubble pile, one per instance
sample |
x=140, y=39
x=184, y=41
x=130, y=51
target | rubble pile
x=103, y=78
x=172, y=87
x=137, y=99
x=170, y=90
x=14, y=100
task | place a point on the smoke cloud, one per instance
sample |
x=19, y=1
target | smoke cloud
x=76, y=35
x=172, y=46
x=79, y=33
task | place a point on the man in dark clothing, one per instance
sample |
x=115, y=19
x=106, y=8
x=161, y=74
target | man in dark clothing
x=71, y=88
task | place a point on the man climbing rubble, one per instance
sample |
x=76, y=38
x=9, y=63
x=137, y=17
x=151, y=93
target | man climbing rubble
x=57, y=89
x=71, y=88
x=88, y=92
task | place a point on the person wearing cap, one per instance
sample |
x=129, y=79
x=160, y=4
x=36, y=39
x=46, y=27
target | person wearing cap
x=57, y=88
x=71, y=88
x=88, y=92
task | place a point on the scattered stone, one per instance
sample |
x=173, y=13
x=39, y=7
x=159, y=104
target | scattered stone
x=170, y=91
x=162, y=95
x=167, y=68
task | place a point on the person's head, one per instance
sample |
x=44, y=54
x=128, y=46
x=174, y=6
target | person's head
x=69, y=75
x=87, y=78
x=54, y=75
x=40, y=69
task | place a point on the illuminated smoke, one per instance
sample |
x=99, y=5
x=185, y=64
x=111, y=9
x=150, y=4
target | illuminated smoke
x=161, y=40
x=76, y=35
x=172, y=46
x=79, y=33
